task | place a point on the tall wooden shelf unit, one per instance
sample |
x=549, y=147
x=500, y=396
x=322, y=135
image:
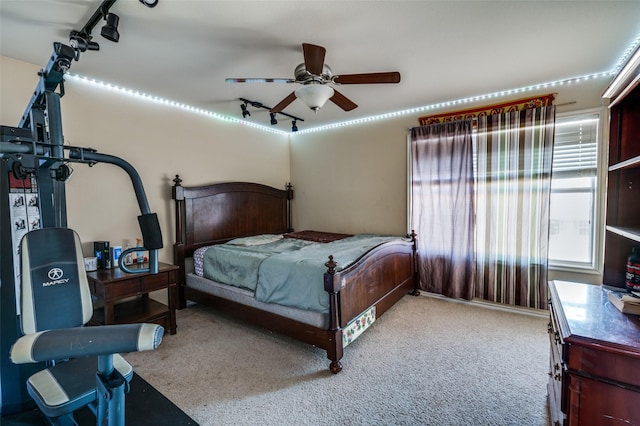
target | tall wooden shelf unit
x=623, y=187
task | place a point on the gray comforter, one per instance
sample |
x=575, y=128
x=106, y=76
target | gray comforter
x=288, y=271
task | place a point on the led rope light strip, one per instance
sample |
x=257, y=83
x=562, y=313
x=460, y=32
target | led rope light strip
x=461, y=101
x=416, y=110
x=627, y=54
x=156, y=99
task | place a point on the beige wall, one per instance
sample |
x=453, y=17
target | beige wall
x=158, y=140
x=350, y=179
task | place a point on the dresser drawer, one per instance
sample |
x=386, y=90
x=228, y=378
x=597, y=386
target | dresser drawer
x=556, y=366
x=155, y=282
x=557, y=372
x=557, y=344
x=600, y=403
x=608, y=366
x=554, y=389
x=123, y=289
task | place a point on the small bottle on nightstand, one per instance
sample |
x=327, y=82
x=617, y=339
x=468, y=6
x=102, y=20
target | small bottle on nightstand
x=139, y=254
x=128, y=259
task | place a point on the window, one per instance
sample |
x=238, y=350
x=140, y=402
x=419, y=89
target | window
x=577, y=191
x=574, y=185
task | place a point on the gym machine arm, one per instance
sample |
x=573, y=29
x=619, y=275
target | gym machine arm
x=148, y=221
x=44, y=152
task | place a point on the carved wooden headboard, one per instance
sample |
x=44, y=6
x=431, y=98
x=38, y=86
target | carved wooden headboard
x=216, y=213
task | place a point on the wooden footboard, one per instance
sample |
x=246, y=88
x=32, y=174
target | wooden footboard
x=377, y=280
x=217, y=213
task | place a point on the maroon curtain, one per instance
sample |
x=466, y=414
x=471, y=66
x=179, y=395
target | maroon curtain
x=442, y=207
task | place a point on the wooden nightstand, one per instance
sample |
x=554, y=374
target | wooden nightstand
x=123, y=298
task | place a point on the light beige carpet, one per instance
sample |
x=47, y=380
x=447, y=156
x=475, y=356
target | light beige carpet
x=427, y=361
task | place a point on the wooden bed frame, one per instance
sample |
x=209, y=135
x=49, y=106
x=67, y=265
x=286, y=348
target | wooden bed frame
x=217, y=213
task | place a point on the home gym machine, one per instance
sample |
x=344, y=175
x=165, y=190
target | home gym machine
x=34, y=167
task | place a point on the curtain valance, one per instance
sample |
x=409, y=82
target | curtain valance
x=517, y=105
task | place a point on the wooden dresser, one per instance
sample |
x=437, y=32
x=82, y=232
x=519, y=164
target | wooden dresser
x=594, y=367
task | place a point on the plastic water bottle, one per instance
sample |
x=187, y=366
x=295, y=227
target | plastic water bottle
x=632, y=281
x=128, y=259
x=140, y=254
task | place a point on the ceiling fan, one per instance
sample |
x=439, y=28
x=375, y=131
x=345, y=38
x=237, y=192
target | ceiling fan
x=315, y=75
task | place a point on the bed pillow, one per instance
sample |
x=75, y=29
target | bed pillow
x=317, y=236
x=198, y=261
x=255, y=240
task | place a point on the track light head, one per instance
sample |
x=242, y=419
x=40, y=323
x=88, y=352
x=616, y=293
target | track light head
x=110, y=29
x=294, y=128
x=245, y=111
x=82, y=43
x=273, y=118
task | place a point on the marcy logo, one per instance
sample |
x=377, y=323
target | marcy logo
x=55, y=275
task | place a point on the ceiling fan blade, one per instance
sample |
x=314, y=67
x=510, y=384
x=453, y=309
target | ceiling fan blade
x=259, y=80
x=342, y=101
x=313, y=58
x=284, y=103
x=369, y=78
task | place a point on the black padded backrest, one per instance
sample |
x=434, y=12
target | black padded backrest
x=54, y=288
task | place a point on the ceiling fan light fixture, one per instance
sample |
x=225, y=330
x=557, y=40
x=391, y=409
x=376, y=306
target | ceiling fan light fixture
x=149, y=3
x=314, y=95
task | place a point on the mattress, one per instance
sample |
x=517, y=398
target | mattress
x=246, y=297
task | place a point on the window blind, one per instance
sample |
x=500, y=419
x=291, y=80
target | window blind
x=575, y=151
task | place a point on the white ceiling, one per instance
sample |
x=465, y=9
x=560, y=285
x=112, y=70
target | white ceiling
x=183, y=50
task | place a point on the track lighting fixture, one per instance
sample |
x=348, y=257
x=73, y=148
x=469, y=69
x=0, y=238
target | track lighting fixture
x=272, y=115
x=245, y=111
x=110, y=29
x=80, y=41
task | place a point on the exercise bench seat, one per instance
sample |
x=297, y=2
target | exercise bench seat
x=85, y=366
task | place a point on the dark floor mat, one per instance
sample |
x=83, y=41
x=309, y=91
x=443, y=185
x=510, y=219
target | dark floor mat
x=144, y=405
